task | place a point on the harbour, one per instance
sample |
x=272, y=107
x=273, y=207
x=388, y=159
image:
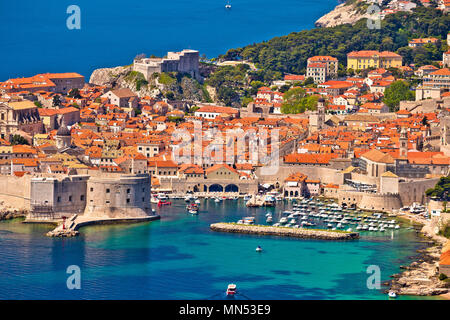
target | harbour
x=180, y=257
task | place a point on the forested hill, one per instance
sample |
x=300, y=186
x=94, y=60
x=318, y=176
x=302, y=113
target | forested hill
x=288, y=54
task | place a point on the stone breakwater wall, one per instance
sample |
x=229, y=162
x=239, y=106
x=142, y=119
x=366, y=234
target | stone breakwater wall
x=62, y=233
x=284, y=232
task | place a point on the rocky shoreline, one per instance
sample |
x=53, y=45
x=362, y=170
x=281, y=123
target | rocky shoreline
x=342, y=14
x=284, y=232
x=421, y=277
x=12, y=214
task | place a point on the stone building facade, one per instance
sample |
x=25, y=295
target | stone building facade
x=19, y=116
x=58, y=197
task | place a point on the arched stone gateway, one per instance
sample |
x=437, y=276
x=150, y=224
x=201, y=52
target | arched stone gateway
x=231, y=188
x=215, y=188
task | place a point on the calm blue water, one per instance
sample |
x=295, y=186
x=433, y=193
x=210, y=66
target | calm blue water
x=178, y=257
x=35, y=39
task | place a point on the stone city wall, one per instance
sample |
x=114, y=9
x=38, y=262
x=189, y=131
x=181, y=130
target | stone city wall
x=414, y=190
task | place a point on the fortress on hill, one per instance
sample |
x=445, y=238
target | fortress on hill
x=186, y=61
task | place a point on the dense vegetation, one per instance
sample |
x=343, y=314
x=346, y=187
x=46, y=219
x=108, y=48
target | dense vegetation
x=441, y=190
x=235, y=84
x=288, y=54
x=396, y=92
x=18, y=139
x=296, y=100
x=137, y=78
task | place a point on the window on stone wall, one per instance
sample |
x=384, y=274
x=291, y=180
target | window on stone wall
x=108, y=191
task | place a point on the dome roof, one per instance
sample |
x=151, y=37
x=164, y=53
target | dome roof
x=63, y=131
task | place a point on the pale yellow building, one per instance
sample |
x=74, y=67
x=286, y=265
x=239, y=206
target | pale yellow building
x=360, y=60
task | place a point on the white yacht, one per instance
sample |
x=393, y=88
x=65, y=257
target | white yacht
x=162, y=196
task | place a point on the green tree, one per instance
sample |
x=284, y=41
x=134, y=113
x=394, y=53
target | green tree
x=227, y=95
x=56, y=101
x=74, y=93
x=297, y=101
x=170, y=95
x=441, y=190
x=396, y=92
x=245, y=101
x=18, y=139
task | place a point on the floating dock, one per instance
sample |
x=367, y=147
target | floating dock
x=284, y=231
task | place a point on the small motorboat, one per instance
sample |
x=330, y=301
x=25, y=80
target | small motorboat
x=259, y=249
x=162, y=196
x=164, y=203
x=231, y=289
x=283, y=220
x=392, y=294
x=193, y=212
x=154, y=198
x=249, y=220
x=217, y=200
x=197, y=201
x=192, y=207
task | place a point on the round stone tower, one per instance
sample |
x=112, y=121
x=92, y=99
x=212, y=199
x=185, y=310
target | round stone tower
x=125, y=196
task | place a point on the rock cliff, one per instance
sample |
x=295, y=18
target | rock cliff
x=179, y=86
x=348, y=12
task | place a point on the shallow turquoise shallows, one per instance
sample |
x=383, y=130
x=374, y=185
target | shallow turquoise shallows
x=178, y=257
x=35, y=38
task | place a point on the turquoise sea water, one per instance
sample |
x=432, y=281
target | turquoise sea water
x=178, y=257
x=35, y=39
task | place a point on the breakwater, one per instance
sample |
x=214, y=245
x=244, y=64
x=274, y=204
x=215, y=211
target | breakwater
x=284, y=231
x=74, y=223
